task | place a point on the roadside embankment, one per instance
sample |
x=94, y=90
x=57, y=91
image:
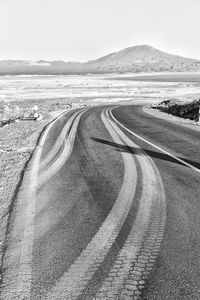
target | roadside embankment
x=162, y=111
x=183, y=109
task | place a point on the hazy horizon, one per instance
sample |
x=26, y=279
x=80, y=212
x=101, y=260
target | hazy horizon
x=86, y=30
x=43, y=59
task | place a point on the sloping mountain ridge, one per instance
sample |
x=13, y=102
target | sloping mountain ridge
x=142, y=53
x=144, y=58
x=141, y=58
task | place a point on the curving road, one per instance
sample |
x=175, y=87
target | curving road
x=108, y=209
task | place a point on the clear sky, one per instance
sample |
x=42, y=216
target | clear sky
x=80, y=30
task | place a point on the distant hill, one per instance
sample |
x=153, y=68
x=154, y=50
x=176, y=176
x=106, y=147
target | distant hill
x=142, y=58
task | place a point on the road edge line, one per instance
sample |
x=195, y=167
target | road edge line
x=153, y=145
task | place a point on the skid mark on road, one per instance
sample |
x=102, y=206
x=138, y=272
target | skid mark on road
x=68, y=144
x=55, y=149
x=134, y=262
x=155, y=146
x=73, y=282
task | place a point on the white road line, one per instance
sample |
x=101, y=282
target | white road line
x=51, y=154
x=157, y=147
x=72, y=283
x=50, y=125
x=18, y=283
x=152, y=189
x=63, y=157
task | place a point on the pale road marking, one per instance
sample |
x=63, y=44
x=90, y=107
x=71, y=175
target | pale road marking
x=19, y=283
x=63, y=157
x=58, y=142
x=152, y=188
x=153, y=145
x=72, y=283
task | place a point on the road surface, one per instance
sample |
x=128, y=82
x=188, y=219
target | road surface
x=108, y=209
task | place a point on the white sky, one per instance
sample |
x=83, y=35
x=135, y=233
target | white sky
x=80, y=30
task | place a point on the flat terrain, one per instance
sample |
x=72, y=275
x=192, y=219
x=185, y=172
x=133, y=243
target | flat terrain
x=182, y=77
x=108, y=209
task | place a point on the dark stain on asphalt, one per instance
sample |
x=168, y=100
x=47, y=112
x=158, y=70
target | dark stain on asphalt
x=153, y=154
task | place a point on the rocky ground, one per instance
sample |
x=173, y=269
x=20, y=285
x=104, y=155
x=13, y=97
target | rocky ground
x=176, y=119
x=184, y=108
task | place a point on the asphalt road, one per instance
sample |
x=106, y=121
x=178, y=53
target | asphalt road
x=175, y=274
x=108, y=209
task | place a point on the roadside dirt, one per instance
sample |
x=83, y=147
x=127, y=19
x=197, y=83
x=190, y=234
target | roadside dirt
x=17, y=143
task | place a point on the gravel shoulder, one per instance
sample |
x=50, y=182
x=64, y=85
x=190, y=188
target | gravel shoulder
x=18, y=141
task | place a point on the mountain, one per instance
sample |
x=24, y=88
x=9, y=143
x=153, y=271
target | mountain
x=142, y=58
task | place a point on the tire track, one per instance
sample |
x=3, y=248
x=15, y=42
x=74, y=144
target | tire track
x=73, y=282
x=134, y=262
x=51, y=155
x=68, y=143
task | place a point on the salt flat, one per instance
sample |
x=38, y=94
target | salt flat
x=98, y=88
